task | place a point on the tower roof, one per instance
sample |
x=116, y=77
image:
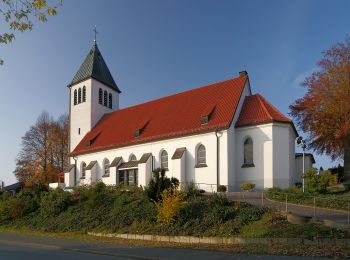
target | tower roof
x=95, y=67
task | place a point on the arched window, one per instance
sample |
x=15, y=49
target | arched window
x=84, y=94
x=106, y=167
x=83, y=169
x=79, y=96
x=105, y=98
x=75, y=97
x=100, y=96
x=248, y=152
x=110, y=101
x=201, y=155
x=132, y=157
x=164, y=160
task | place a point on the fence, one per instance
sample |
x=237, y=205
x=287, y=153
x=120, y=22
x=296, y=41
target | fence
x=332, y=210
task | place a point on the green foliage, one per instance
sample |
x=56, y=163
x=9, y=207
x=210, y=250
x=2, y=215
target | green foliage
x=318, y=183
x=159, y=183
x=222, y=188
x=247, y=186
x=54, y=202
x=21, y=19
x=192, y=190
x=16, y=207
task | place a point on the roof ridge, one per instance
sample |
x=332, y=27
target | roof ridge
x=175, y=94
x=263, y=106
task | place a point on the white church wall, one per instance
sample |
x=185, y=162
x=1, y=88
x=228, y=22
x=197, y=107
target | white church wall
x=206, y=175
x=80, y=114
x=261, y=173
x=231, y=152
x=85, y=115
x=283, y=143
x=98, y=110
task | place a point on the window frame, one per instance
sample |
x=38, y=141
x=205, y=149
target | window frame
x=83, y=170
x=248, y=153
x=75, y=101
x=106, y=168
x=84, y=95
x=164, y=154
x=79, y=95
x=201, y=161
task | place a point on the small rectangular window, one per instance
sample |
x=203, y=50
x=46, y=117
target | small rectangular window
x=78, y=131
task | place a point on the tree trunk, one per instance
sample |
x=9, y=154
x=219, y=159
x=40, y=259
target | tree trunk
x=347, y=162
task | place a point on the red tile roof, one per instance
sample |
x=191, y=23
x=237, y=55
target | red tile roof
x=167, y=117
x=257, y=110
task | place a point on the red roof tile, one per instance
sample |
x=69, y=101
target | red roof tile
x=257, y=110
x=167, y=117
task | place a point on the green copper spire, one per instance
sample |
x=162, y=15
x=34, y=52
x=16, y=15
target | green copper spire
x=95, y=67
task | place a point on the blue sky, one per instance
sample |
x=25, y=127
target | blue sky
x=159, y=47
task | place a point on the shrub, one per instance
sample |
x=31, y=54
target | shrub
x=54, y=202
x=169, y=207
x=159, y=183
x=192, y=190
x=318, y=183
x=247, y=186
x=298, y=184
x=222, y=188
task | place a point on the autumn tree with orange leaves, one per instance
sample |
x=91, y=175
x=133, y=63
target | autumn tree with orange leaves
x=44, y=151
x=324, y=112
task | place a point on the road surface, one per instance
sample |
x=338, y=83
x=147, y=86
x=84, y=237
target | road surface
x=15, y=247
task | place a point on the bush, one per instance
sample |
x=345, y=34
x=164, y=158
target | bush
x=169, y=207
x=159, y=183
x=247, y=186
x=318, y=183
x=54, y=202
x=22, y=204
x=192, y=190
x=222, y=188
x=298, y=184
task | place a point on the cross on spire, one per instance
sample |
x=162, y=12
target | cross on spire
x=95, y=32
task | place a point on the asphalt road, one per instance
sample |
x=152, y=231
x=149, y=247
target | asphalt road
x=14, y=247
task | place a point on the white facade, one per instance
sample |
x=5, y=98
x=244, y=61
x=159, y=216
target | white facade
x=85, y=115
x=273, y=151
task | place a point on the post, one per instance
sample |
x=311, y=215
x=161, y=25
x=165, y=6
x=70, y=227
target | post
x=286, y=203
x=262, y=198
x=303, y=170
x=314, y=207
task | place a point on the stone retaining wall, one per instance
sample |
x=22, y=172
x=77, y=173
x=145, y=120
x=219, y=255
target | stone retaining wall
x=225, y=240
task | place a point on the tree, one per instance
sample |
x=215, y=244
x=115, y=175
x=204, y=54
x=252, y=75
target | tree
x=324, y=112
x=20, y=14
x=44, y=151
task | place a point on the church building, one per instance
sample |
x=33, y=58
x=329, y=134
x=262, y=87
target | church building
x=219, y=134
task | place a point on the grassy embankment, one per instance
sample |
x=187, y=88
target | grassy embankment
x=108, y=209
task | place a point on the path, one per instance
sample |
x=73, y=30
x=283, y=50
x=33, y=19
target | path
x=259, y=199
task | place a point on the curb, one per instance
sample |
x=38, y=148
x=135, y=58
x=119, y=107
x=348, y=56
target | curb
x=224, y=240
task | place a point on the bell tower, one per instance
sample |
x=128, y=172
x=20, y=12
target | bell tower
x=93, y=93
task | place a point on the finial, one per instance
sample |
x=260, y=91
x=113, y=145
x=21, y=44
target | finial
x=95, y=31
